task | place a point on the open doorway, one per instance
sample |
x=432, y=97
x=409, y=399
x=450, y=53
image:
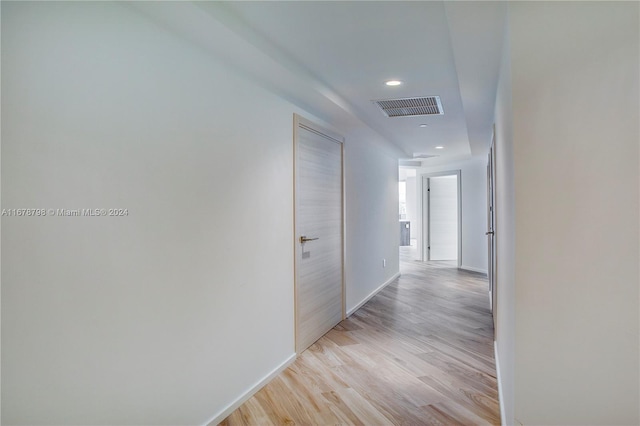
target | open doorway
x=441, y=217
x=408, y=211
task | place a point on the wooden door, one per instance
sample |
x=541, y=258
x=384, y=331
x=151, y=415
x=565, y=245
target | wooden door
x=443, y=218
x=491, y=240
x=319, y=239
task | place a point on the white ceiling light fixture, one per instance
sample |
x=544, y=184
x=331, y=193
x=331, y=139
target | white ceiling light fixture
x=423, y=125
x=393, y=83
x=439, y=147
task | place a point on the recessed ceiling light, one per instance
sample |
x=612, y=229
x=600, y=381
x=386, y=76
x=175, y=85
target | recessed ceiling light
x=423, y=125
x=393, y=83
x=439, y=147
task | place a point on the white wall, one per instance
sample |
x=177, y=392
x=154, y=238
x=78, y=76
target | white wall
x=575, y=170
x=504, y=229
x=372, y=220
x=169, y=314
x=474, y=208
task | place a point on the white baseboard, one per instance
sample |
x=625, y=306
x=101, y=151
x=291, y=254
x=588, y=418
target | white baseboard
x=503, y=420
x=250, y=392
x=473, y=269
x=373, y=293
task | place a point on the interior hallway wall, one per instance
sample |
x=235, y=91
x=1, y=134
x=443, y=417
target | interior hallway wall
x=569, y=344
x=372, y=221
x=171, y=313
x=504, y=228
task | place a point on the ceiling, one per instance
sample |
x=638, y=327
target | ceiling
x=334, y=57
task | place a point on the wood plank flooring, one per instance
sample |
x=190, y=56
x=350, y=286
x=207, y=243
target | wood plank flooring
x=419, y=353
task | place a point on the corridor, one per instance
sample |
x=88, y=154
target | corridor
x=419, y=352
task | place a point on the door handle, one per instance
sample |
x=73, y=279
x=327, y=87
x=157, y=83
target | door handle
x=304, y=239
x=489, y=233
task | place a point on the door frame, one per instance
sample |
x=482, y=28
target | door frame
x=424, y=217
x=301, y=122
x=492, y=241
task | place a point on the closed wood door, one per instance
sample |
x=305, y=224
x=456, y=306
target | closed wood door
x=443, y=218
x=318, y=232
x=491, y=240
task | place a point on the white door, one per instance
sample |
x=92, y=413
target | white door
x=318, y=232
x=443, y=218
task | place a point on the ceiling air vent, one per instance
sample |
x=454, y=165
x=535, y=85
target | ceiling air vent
x=411, y=107
x=422, y=156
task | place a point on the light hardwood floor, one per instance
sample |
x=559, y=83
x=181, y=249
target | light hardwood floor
x=419, y=352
